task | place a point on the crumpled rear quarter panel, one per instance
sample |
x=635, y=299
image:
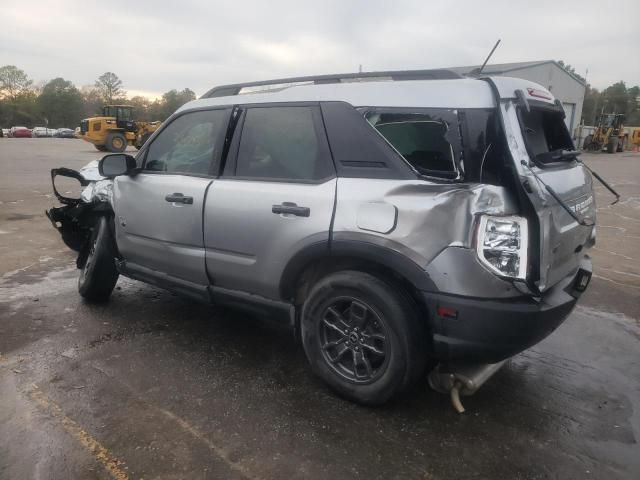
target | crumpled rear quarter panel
x=430, y=219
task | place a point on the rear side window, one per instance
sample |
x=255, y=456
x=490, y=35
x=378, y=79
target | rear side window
x=283, y=143
x=423, y=140
x=188, y=144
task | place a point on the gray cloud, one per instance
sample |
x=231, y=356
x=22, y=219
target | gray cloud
x=155, y=46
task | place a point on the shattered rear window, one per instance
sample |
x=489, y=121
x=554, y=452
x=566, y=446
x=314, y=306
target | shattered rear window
x=429, y=142
x=545, y=132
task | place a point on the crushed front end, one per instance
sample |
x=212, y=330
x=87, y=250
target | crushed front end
x=75, y=219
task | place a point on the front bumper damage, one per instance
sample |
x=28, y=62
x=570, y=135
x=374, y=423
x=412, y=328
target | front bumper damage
x=75, y=219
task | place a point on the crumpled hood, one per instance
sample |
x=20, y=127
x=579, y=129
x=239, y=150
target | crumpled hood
x=100, y=188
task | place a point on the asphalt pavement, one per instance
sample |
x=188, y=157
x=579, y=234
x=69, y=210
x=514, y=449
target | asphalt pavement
x=151, y=385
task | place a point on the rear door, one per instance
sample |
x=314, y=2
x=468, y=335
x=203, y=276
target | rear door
x=275, y=198
x=159, y=211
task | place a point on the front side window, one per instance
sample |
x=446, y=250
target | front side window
x=188, y=144
x=281, y=143
x=421, y=139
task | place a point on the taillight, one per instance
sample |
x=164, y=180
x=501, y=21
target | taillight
x=501, y=245
x=539, y=94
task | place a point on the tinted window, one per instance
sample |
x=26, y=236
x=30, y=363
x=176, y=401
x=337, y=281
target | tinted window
x=420, y=139
x=188, y=144
x=281, y=142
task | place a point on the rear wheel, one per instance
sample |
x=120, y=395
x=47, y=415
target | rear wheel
x=622, y=144
x=612, y=146
x=99, y=275
x=363, y=337
x=116, y=142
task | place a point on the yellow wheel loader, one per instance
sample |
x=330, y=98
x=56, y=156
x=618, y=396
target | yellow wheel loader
x=609, y=134
x=115, y=129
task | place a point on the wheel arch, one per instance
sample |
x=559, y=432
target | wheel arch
x=317, y=260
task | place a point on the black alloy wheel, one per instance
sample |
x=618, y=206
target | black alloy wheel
x=353, y=340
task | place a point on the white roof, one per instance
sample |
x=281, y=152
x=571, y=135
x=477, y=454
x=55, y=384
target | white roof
x=452, y=93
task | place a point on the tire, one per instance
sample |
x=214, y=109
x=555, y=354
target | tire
x=116, y=142
x=143, y=140
x=350, y=317
x=622, y=144
x=586, y=145
x=101, y=148
x=98, y=275
x=612, y=145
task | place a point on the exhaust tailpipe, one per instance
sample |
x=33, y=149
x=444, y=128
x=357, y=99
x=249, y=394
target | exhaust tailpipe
x=461, y=379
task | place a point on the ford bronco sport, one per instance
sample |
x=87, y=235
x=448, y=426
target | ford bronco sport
x=415, y=218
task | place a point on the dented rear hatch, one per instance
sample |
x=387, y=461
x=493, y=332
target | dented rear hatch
x=559, y=187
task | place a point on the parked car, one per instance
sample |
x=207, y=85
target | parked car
x=43, y=132
x=20, y=132
x=65, y=133
x=392, y=224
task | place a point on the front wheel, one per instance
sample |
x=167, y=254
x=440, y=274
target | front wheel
x=98, y=275
x=116, y=142
x=612, y=146
x=587, y=143
x=363, y=337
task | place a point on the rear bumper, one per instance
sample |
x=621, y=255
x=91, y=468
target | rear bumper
x=488, y=330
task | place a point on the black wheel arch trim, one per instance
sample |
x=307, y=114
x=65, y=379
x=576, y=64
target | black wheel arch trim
x=358, y=246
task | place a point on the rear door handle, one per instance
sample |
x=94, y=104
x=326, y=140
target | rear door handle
x=179, y=198
x=292, y=209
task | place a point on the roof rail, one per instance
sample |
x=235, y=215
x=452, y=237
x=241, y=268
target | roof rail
x=396, y=75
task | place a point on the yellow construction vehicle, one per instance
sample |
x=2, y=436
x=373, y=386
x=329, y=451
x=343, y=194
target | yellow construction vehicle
x=609, y=134
x=635, y=138
x=116, y=129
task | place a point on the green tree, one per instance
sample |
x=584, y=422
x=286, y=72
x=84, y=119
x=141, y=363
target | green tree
x=61, y=103
x=141, y=107
x=571, y=70
x=616, y=98
x=174, y=99
x=591, y=105
x=13, y=82
x=110, y=87
x=92, y=102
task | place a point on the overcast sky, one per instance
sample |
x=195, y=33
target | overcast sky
x=154, y=46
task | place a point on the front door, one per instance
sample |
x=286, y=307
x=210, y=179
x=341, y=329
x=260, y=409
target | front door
x=158, y=212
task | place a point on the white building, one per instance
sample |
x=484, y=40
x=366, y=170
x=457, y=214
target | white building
x=566, y=87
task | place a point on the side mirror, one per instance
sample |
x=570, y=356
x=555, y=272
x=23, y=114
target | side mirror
x=116, y=164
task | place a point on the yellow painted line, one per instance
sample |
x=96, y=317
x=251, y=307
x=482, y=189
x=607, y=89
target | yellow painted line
x=111, y=464
x=222, y=453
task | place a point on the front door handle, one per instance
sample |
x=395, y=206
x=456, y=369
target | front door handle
x=179, y=198
x=292, y=209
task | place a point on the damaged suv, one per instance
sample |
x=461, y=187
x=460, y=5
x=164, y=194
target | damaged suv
x=414, y=219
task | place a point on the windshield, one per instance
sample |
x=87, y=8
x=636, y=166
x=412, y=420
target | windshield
x=545, y=134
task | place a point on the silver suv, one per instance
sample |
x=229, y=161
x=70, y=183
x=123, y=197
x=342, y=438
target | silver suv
x=395, y=220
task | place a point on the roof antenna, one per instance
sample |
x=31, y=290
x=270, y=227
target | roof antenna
x=488, y=57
